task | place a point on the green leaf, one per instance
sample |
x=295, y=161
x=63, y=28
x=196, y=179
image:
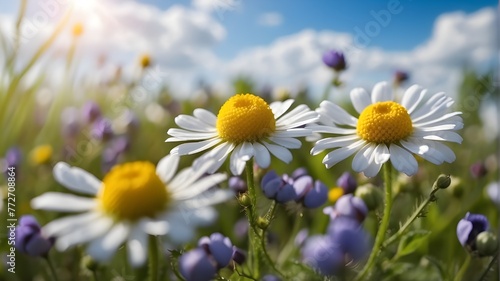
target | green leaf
x=411, y=242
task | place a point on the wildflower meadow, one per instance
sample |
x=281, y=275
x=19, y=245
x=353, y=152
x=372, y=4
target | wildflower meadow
x=117, y=165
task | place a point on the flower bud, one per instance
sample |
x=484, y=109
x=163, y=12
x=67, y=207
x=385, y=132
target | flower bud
x=29, y=239
x=244, y=200
x=262, y=223
x=486, y=244
x=371, y=195
x=443, y=181
x=468, y=229
x=196, y=265
x=334, y=60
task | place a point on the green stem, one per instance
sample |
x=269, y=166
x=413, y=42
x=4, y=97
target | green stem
x=490, y=265
x=51, y=268
x=463, y=269
x=290, y=247
x=414, y=216
x=384, y=224
x=253, y=235
x=269, y=216
x=153, y=258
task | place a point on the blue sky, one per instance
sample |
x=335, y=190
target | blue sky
x=412, y=26
x=278, y=43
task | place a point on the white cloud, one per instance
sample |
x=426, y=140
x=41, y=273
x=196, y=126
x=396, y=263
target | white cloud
x=458, y=40
x=270, y=19
x=182, y=40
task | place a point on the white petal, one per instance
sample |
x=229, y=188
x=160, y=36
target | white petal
x=331, y=130
x=432, y=151
x=381, y=92
x=103, y=248
x=340, y=154
x=372, y=170
x=67, y=224
x=63, y=202
x=381, y=154
x=182, y=227
x=193, y=124
x=279, y=108
x=246, y=152
x=209, y=198
x=412, y=98
x=360, y=99
x=361, y=160
x=76, y=179
x=84, y=233
x=167, y=166
x=337, y=114
x=190, y=175
x=439, y=136
x=151, y=227
x=402, y=160
x=432, y=121
x=262, y=156
x=293, y=133
x=137, y=247
x=286, y=142
x=237, y=162
x=184, y=135
x=205, y=116
x=199, y=187
x=195, y=147
x=219, y=153
x=327, y=143
x=280, y=152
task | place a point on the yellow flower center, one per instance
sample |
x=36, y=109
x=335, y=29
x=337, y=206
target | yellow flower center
x=384, y=122
x=334, y=194
x=41, y=154
x=132, y=191
x=245, y=117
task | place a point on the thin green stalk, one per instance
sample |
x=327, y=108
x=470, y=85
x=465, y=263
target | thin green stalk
x=414, y=216
x=153, y=258
x=463, y=269
x=269, y=216
x=94, y=274
x=384, y=224
x=490, y=265
x=51, y=268
x=17, y=78
x=253, y=235
x=290, y=244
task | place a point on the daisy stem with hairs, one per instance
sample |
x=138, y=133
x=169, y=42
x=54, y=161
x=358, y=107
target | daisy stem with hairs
x=463, y=269
x=384, y=224
x=153, y=258
x=417, y=213
x=51, y=268
x=253, y=234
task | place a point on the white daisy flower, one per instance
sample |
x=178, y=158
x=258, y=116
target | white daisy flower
x=245, y=127
x=387, y=130
x=133, y=201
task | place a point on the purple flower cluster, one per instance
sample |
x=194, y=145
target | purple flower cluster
x=213, y=253
x=344, y=241
x=299, y=187
x=29, y=239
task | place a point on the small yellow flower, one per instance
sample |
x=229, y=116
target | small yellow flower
x=335, y=193
x=77, y=29
x=41, y=154
x=145, y=60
